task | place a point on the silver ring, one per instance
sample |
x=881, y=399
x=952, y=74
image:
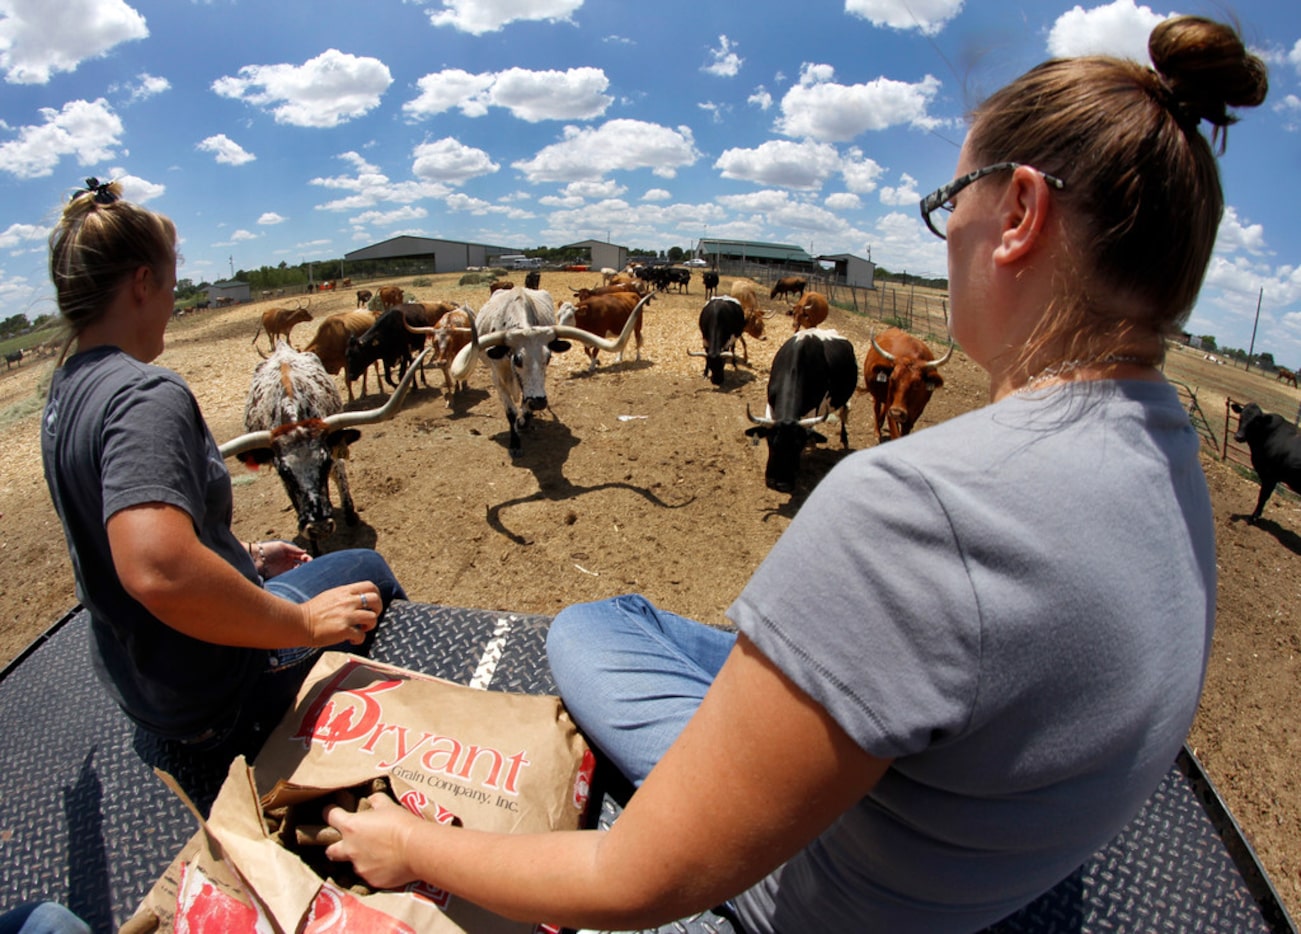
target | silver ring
x=364, y=604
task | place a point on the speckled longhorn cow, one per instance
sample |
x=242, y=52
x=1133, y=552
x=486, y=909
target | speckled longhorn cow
x=293, y=419
x=519, y=335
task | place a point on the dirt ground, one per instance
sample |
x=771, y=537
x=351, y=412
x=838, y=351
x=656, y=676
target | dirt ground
x=641, y=479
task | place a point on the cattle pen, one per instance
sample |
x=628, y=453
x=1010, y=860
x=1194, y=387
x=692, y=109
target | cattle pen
x=627, y=485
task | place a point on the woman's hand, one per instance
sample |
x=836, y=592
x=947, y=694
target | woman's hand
x=276, y=557
x=342, y=614
x=374, y=841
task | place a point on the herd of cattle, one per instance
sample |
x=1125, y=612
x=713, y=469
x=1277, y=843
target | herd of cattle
x=294, y=413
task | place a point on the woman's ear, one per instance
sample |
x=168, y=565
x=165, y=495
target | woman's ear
x=141, y=281
x=1023, y=214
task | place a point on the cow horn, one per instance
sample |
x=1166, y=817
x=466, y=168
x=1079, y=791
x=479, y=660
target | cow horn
x=464, y=361
x=877, y=347
x=387, y=410
x=944, y=359
x=615, y=346
x=756, y=420
x=236, y=446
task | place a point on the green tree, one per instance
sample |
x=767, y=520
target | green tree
x=676, y=254
x=1208, y=342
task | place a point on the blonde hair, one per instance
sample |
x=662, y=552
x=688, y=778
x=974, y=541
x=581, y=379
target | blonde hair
x=1142, y=199
x=99, y=242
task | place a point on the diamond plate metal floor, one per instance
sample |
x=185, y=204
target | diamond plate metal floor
x=84, y=821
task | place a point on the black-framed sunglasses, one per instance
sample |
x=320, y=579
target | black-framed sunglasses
x=941, y=199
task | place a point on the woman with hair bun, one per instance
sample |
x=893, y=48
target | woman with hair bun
x=939, y=718
x=201, y=639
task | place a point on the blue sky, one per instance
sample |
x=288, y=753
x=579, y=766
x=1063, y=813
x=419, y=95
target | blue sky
x=289, y=130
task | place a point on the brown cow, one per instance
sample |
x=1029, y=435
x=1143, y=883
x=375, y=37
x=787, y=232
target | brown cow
x=582, y=295
x=363, y=297
x=603, y=315
x=331, y=340
x=278, y=322
x=743, y=291
x=788, y=285
x=499, y=284
x=389, y=296
x=900, y=373
x=1286, y=375
x=450, y=334
x=811, y=310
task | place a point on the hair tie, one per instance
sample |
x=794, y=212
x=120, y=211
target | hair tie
x=99, y=190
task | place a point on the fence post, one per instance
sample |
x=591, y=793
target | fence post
x=1224, y=448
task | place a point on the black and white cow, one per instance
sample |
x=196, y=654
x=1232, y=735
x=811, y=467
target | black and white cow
x=721, y=322
x=519, y=335
x=813, y=374
x=1275, y=450
x=294, y=420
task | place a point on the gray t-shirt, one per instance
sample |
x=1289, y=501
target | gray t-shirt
x=117, y=433
x=1016, y=605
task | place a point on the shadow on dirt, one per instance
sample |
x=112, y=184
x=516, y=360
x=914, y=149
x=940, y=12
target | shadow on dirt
x=546, y=448
x=1286, y=537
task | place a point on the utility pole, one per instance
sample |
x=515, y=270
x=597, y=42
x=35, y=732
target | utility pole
x=232, y=266
x=1251, y=351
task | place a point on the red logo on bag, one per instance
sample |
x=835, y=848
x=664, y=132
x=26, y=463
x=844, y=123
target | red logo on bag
x=583, y=781
x=336, y=910
x=440, y=897
x=343, y=716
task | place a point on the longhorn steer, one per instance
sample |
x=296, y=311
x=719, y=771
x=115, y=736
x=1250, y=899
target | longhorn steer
x=389, y=296
x=389, y=341
x=813, y=374
x=900, y=373
x=810, y=311
x=788, y=285
x=450, y=332
x=607, y=314
x=722, y=322
x=278, y=322
x=332, y=336
x=520, y=334
x=294, y=420
x=710, y=278
x=1275, y=450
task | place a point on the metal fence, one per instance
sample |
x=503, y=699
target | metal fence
x=921, y=310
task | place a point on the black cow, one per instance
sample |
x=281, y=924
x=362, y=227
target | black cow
x=1275, y=450
x=813, y=374
x=533, y=280
x=710, y=278
x=721, y=322
x=387, y=340
x=13, y=357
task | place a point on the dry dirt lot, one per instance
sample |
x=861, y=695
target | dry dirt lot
x=642, y=479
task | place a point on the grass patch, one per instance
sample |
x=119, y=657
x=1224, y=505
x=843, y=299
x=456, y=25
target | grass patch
x=20, y=410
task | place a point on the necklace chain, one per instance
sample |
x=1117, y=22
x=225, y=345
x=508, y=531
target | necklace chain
x=1068, y=366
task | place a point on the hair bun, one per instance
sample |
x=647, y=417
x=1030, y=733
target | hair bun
x=1206, y=68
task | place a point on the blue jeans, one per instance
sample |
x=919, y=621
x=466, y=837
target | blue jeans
x=632, y=675
x=274, y=690
x=41, y=918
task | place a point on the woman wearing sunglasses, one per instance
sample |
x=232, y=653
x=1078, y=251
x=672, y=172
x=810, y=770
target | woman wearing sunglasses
x=978, y=649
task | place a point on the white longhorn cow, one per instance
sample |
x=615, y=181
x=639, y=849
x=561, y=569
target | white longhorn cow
x=293, y=419
x=520, y=334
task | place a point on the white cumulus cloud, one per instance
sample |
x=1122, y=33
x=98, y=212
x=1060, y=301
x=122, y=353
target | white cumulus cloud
x=760, y=98
x=1119, y=28
x=618, y=145
x=88, y=130
x=401, y=215
x=1289, y=108
x=368, y=186
x=805, y=165
x=325, y=91
x=144, y=87
x=270, y=219
x=724, y=62
x=450, y=161
x=225, y=150
x=819, y=108
x=843, y=201
x=480, y=16
x=21, y=234
x=926, y=16
x=39, y=38
x=904, y=195
x=576, y=94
